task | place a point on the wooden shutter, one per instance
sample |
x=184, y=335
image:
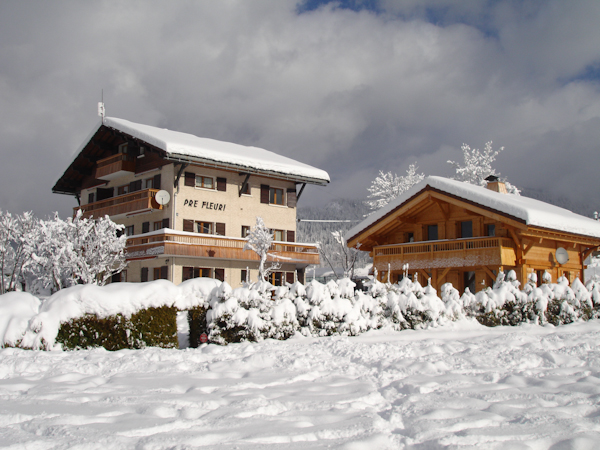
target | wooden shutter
x=144, y=274
x=165, y=223
x=145, y=227
x=264, y=193
x=220, y=229
x=220, y=274
x=164, y=272
x=190, y=179
x=104, y=193
x=156, y=182
x=289, y=277
x=188, y=272
x=291, y=198
x=221, y=184
x=291, y=236
x=188, y=225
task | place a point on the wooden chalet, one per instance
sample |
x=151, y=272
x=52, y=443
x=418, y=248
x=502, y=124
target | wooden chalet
x=455, y=232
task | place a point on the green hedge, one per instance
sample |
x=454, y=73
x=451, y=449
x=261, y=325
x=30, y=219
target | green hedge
x=152, y=327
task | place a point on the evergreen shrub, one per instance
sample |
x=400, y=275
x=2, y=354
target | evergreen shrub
x=151, y=327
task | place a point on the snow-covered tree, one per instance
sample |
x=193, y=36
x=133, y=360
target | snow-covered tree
x=477, y=166
x=16, y=233
x=76, y=251
x=341, y=256
x=387, y=186
x=259, y=240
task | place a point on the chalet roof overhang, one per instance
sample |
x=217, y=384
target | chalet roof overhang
x=100, y=144
x=405, y=212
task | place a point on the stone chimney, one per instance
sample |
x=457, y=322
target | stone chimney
x=494, y=184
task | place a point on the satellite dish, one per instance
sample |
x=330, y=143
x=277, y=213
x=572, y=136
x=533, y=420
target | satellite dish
x=162, y=197
x=561, y=255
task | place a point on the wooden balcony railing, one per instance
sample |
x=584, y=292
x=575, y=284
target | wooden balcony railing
x=446, y=253
x=208, y=246
x=123, y=204
x=110, y=167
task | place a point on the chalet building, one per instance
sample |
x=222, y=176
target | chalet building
x=456, y=232
x=209, y=195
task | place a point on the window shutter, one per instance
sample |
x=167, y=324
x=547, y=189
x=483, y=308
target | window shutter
x=220, y=228
x=291, y=198
x=220, y=274
x=188, y=272
x=144, y=274
x=91, y=197
x=164, y=272
x=165, y=223
x=190, y=179
x=145, y=227
x=156, y=182
x=291, y=236
x=289, y=277
x=188, y=225
x=264, y=193
x=221, y=184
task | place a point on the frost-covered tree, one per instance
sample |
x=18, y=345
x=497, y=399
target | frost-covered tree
x=76, y=251
x=477, y=166
x=341, y=255
x=259, y=240
x=16, y=234
x=387, y=186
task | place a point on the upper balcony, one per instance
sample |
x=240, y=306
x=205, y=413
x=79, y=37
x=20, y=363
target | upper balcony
x=114, y=166
x=446, y=253
x=123, y=204
x=174, y=243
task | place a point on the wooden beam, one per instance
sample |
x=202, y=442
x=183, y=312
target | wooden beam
x=245, y=185
x=301, y=191
x=527, y=248
x=444, y=207
x=425, y=275
x=441, y=277
x=490, y=273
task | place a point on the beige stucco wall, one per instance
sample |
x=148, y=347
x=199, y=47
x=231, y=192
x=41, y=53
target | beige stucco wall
x=193, y=203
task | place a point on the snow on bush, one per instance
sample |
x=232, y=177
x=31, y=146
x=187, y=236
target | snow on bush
x=261, y=311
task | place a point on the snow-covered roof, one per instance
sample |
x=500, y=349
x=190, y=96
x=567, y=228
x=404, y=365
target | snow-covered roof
x=532, y=212
x=189, y=147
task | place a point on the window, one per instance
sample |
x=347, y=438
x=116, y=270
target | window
x=195, y=272
x=410, y=237
x=245, y=230
x=276, y=278
x=490, y=229
x=220, y=274
x=135, y=186
x=244, y=277
x=145, y=227
x=204, y=182
x=91, y=197
x=204, y=227
x=144, y=276
x=161, y=273
x=122, y=190
x=123, y=148
x=158, y=225
x=129, y=230
x=466, y=229
x=276, y=196
x=432, y=232
x=278, y=235
x=149, y=183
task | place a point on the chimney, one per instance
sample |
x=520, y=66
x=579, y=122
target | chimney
x=494, y=184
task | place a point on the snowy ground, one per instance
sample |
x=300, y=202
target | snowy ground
x=463, y=386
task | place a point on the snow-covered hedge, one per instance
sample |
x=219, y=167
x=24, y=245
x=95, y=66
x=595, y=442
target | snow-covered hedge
x=76, y=317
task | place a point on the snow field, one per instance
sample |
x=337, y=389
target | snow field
x=458, y=386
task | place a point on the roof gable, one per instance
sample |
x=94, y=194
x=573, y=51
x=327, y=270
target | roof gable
x=512, y=207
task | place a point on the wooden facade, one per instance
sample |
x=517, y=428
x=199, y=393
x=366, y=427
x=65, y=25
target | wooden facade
x=446, y=238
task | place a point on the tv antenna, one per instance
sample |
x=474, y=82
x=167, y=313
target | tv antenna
x=101, y=110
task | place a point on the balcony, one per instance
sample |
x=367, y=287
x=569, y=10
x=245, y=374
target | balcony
x=114, y=166
x=123, y=204
x=470, y=252
x=173, y=243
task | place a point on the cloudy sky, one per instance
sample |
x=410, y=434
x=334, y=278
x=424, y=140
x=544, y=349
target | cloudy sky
x=352, y=87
